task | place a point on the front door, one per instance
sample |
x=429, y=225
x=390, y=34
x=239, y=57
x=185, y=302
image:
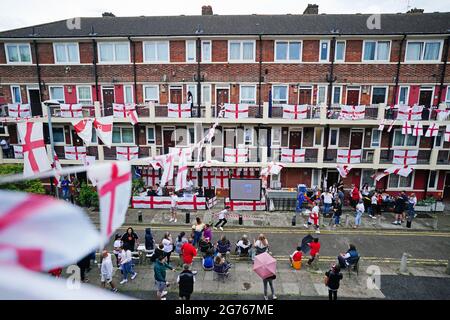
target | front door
x=332, y=177
x=222, y=96
x=304, y=96
x=168, y=140
x=76, y=140
x=35, y=102
x=176, y=96
x=108, y=100
x=295, y=140
x=425, y=98
x=356, y=138
x=353, y=97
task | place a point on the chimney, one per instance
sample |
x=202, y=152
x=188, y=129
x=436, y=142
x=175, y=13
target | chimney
x=415, y=10
x=207, y=11
x=311, y=9
x=108, y=14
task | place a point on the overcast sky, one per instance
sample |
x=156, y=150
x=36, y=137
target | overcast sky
x=22, y=13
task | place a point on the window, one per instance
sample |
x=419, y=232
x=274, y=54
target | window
x=241, y=51
x=190, y=51
x=206, y=94
x=150, y=135
x=433, y=179
x=317, y=136
x=128, y=94
x=58, y=135
x=376, y=135
x=366, y=177
x=123, y=135
x=94, y=136
x=288, y=50
x=192, y=88
x=334, y=138
x=191, y=135
x=401, y=141
x=324, y=46
x=339, y=51
x=66, y=52
x=423, y=50
x=57, y=93
x=321, y=94
x=15, y=94
x=439, y=140
x=279, y=95
x=84, y=95
x=316, y=177
x=376, y=50
x=276, y=136
x=248, y=135
x=206, y=51
x=379, y=95
x=447, y=97
x=156, y=51
x=151, y=93
x=399, y=182
x=18, y=53
x=248, y=94
x=403, y=96
x=337, y=95
x=114, y=52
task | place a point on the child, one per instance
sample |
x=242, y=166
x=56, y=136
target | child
x=222, y=218
x=173, y=206
x=314, y=217
x=315, y=248
x=107, y=271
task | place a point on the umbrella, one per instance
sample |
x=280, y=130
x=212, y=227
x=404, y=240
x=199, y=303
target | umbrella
x=305, y=241
x=265, y=265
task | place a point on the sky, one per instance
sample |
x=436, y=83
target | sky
x=23, y=13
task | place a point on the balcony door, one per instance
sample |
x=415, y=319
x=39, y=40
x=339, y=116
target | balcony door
x=168, y=139
x=356, y=139
x=295, y=140
x=304, y=96
x=176, y=95
x=108, y=100
x=353, y=96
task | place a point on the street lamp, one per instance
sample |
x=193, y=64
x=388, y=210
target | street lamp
x=48, y=104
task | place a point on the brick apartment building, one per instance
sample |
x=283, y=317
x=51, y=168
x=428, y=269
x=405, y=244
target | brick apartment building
x=319, y=60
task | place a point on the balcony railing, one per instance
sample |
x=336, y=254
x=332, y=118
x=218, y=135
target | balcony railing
x=427, y=113
x=330, y=155
x=311, y=154
x=371, y=112
x=313, y=112
x=423, y=156
x=87, y=110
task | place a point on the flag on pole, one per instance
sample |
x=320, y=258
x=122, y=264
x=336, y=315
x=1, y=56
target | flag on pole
x=432, y=130
x=83, y=128
x=103, y=128
x=343, y=170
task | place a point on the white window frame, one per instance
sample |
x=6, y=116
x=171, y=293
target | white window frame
x=434, y=187
x=66, y=53
x=65, y=143
x=121, y=143
x=125, y=93
x=325, y=94
x=404, y=142
x=146, y=135
x=252, y=132
x=375, y=60
x=340, y=95
x=287, y=57
x=379, y=138
x=276, y=143
x=407, y=94
x=114, y=61
x=316, y=174
x=337, y=138
x=287, y=94
x=412, y=175
x=195, y=51
x=240, y=93
x=208, y=88
x=158, y=60
x=385, y=97
x=17, y=45
x=157, y=93
x=328, y=51
x=335, y=51
x=210, y=51
x=423, y=51
x=447, y=96
x=13, y=96
x=241, y=47
x=50, y=93
x=78, y=94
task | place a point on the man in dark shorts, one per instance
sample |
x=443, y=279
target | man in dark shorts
x=185, y=282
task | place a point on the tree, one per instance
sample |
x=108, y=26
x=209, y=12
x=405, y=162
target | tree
x=31, y=186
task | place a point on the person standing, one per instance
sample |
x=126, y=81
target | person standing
x=126, y=265
x=117, y=245
x=333, y=278
x=337, y=212
x=106, y=270
x=355, y=196
x=180, y=241
x=159, y=190
x=207, y=232
x=269, y=281
x=412, y=201
x=188, y=252
x=399, y=207
x=6, y=148
x=405, y=208
x=129, y=239
x=198, y=228
x=314, y=217
x=65, y=183
x=168, y=245
x=374, y=205
x=314, y=249
x=173, y=206
x=359, y=213
x=327, y=198
x=84, y=264
x=186, y=280
x=222, y=218
x=160, y=277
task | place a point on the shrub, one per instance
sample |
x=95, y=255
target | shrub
x=31, y=186
x=88, y=196
x=137, y=186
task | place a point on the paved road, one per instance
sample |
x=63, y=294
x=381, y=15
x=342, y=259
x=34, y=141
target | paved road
x=371, y=244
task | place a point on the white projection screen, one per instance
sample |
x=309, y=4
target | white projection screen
x=245, y=189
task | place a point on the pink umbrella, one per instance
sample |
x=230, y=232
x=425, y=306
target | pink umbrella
x=265, y=265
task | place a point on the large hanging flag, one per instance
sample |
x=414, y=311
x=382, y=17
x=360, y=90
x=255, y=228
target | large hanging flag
x=405, y=157
x=352, y=112
x=432, y=130
x=157, y=162
x=293, y=155
x=127, y=153
x=17, y=110
x=121, y=110
x=236, y=111
x=403, y=171
x=103, y=128
x=178, y=151
x=83, y=128
x=295, y=111
x=114, y=190
x=181, y=180
x=209, y=178
x=89, y=161
x=418, y=129
x=406, y=128
x=379, y=175
x=349, y=156
x=133, y=117
x=168, y=168
x=343, y=170
x=71, y=110
x=238, y=155
x=409, y=113
x=222, y=176
x=40, y=233
x=33, y=145
x=179, y=110
x=74, y=153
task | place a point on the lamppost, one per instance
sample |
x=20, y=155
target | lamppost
x=199, y=77
x=48, y=104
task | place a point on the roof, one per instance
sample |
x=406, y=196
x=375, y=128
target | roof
x=224, y=25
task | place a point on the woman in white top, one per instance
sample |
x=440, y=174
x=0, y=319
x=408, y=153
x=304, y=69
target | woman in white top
x=173, y=206
x=117, y=245
x=260, y=245
x=168, y=245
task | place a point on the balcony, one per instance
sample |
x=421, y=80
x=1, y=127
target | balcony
x=311, y=155
x=313, y=112
x=428, y=114
x=330, y=155
x=443, y=157
x=423, y=157
x=371, y=112
x=88, y=111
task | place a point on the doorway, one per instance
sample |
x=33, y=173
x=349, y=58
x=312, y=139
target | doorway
x=222, y=96
x=168, y=139
x=353, y=96
x=425, y=97
x=229, y=136
x=176, y=95
x=76, y=140
x=35, y=102
x=356, y=138
x=295, y=139
x=332, y=177
x=108, y=100
x=304, y=96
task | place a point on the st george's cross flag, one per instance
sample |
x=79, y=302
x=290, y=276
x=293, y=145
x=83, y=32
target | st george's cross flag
x=442, y=115
x=379, y=175
x=104, y=128
x=71, y=110
x=121, y=110
x=352, y=112
x=89, y=161
x=408, y=113
x=405, y=157
x=273, y=168
x=168, y=163
x=343, y=170
x=41, y=233
x=236, y=110
x=74, y=152
x=179, y=110
x=83, y=128
x=406, y=128
x=222, y=176
x=133, y=117
x=432, y=130
x=127, y=153
x=178, y=151
x=348, y=156
x=417, y=129
x=209, y=177
x=292, y=155
x=238, y=155
x=181, y=179
x=157, y=162
x=18, y=152
x=403, y=171
x=33, y=146
x=200, y=165
x=295, y=111
x=18, y=110
x=114, y=192
x=447, y=133
x=151, y=176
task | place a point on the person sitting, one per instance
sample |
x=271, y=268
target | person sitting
x=296, y=258
x=221, y=265
x=243, y=247
x=208, y=263
x=159, y=252
x=205, y=246
x=223, y=246
x=149, y=241
x=349, y=258
x=260, y=245
x=151, y=192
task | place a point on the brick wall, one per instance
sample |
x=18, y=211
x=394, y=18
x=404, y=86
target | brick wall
x=310, y=50
x=177, y=51
x=353, y=50
x=219, y=50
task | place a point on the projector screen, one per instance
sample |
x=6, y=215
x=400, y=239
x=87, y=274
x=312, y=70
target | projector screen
x=245, y=189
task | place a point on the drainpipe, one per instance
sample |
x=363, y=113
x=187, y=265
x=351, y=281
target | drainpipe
x=133, y=45
x=260, y=76
x=199, y=80
x=94, y=62
x=38, y=70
